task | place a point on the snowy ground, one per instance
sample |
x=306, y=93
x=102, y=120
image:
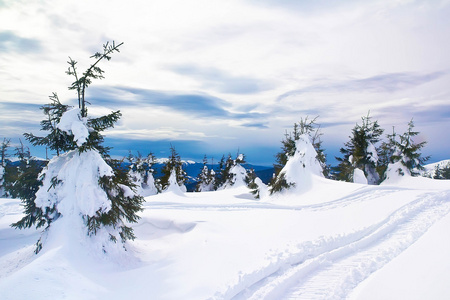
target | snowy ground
x=337, y=240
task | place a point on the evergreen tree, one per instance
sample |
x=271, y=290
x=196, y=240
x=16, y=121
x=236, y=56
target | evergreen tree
x=23, y=183
x=83, y=184
x=406, y=152
x=205, y=180
x=4, y=151
x=442, y=172
x=141, y=173
x=221, y=174
x=288, y=149
x=230, y=171
x=173, y=172
x=3, y=156
x=360, y=152
x=387, y=150
x=254, y=183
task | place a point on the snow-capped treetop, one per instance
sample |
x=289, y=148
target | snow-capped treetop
x=239, y=175
x=302, y=166
x=72, y=123
x=173, y=184
x=306, y=156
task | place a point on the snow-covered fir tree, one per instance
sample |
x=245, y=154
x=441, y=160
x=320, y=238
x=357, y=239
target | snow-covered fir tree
x=255, y=184
x=222, y=174
x=205, y=179
x=405, y=158
x=22, y=181
x=360, y=152
x=173, y=175
x=85, y=197
x=141, y=173
x=3, y=156
x=2, y=175
x=231, y=173
x=442, y=172
x=311, y=130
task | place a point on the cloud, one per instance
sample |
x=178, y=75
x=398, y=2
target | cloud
x=384, y=83
x=307, y=6
x=196, y=104
x=221, y=81
x=10, y=42
x=260, y=125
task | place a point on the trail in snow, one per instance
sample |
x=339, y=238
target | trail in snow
x=333, y=269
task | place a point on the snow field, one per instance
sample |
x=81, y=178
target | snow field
x=225, y=245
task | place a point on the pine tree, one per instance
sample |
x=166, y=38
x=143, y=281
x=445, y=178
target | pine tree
x=4, y=151
x=254, y=183
x=288, y=149
x=406, y=152
x=141, y=173
x=360, y=152
x=442, y=172
x=83, y=183
x=3, y=156
x=173, y=172
x=230, y=171
x=23, y=183
x=205, y=179
x=221, y=174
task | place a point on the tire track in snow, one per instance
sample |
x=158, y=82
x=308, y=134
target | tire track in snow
x=338, y=266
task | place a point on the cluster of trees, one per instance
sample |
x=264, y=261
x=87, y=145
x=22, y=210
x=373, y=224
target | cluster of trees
x=441, y=172
x=366, y=158
x=23, y=174
x=229, y=172
x=84, y=184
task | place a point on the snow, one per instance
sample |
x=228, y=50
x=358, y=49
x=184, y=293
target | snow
x=372, y=153
x=334, y=240
x=78, y=191
x=173, y=185
x=396, y=172
x=359, y=177
x=430, y=169
x=72, y=123
x=424, y=278
x=239, y=175
x=302, y=168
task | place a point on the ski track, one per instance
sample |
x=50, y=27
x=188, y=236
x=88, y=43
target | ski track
x=330, y=268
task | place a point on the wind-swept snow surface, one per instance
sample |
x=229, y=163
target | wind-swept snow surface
x=334, y=241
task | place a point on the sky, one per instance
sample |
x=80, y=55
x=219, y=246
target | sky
x=216, y=77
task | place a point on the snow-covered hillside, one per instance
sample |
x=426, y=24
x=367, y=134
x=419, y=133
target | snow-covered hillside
x=335, y=240
x=430, y=169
